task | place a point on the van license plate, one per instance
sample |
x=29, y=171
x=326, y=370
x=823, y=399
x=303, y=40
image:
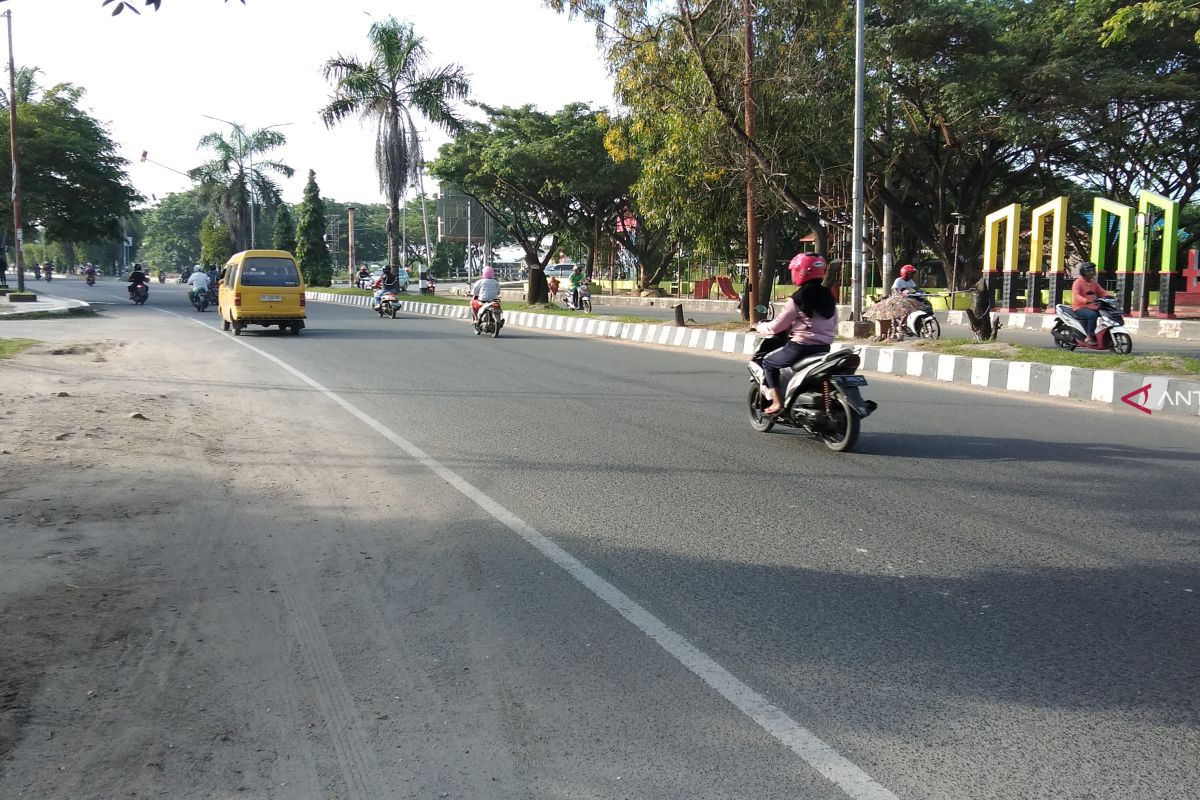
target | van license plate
x=269, y=298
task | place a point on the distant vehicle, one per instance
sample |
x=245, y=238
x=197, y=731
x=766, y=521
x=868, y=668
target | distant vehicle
x=559, y=270
x=404, y=278
x=428, y=284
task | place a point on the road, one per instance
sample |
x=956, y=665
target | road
x=593, y=580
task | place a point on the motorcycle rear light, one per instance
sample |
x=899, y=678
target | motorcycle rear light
x=237, y=298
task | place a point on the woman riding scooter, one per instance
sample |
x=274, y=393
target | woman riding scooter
x=809, y=317
x=1084, y=292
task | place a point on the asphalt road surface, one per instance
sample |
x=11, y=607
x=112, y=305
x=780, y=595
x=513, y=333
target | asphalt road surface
x=599, y=582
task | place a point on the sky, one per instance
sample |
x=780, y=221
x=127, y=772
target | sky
x=152, y=78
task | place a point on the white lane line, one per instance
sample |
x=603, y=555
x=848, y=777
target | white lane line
x=813, y=750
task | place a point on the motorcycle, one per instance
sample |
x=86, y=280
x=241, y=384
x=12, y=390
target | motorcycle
x=489, y=319
x=162, y=278
x=90, y=279
x=921, y=323
x=1069, y=333
x=585, y=299
x=49, y=276
x=201, y=299
x=822, y=395
x=139, y=294
x=389, y=304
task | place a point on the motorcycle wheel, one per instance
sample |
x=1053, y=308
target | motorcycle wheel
x=931, y=329
x=1120, y=343
x=1062, y=338
x=587, y=305
x=757, y=403
x=495, y=328
x=845, y=426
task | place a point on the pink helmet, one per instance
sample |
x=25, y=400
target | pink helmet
x=807, y=266
x=488, y=272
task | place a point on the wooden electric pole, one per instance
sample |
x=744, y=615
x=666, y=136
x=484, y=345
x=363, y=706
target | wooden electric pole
x=751, y=210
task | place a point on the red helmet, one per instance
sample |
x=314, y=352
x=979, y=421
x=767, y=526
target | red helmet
x=806, y=266
x=907, y=271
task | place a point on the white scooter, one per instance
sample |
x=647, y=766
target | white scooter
x=922, y=323
x=1069, y=333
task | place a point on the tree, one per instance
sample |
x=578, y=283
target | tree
x=216, y=241
x=311, y=250
x=72, y=180
x=284, y=237
x=172, y=237
x=238, y=175
x=388, y=88
x=122, y=5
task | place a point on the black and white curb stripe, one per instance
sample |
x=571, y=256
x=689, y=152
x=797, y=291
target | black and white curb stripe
x=1145, y=326
x=1162, y=393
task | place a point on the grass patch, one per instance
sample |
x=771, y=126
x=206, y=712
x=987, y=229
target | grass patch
x=1146, y=363
x=10, y=347
x=83, y=311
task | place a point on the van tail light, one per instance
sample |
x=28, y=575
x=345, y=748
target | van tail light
x=237, y=299
x=303, y=300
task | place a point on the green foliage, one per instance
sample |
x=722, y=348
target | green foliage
x=284, y=237
x=216, y=241
x=172, y=237
x=10, y=347
x=311, y=250
x=72, y=180
x=387, y=88
x=238, y=173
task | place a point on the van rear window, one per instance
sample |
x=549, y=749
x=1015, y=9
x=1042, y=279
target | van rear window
x=269, y=272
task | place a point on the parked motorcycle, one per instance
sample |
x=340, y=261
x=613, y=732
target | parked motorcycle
x=922, y=323
x=201, y=299
x=489, y=319
x=389, y=304
x=585, y=299
x=1069, y=333
x=822, y=395
x=140, y=294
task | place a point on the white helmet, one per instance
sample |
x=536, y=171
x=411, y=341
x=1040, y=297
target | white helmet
x=197, y=268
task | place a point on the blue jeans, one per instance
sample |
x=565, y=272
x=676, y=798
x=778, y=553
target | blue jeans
x=784, y=357
x=1088, y=317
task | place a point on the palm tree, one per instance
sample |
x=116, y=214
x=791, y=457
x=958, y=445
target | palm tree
x=237, y=182
x=387, y=88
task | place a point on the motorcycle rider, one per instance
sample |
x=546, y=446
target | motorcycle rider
x=577, y=280
x=484, y=290
x=809, y=317
x=1084, y=292
x=89, y=273
x=389, y=281
x=905, y=283
x=135, y=277
x=364, y=277
x=198, y=280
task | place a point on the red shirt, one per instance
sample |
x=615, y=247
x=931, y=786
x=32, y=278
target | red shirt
x=1085, y=292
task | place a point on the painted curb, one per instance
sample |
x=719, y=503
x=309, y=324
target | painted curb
x=1156, y=393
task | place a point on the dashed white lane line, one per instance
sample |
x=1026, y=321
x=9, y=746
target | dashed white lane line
x=814, y=751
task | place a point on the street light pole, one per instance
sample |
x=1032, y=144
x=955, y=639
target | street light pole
x=856, y=243
x=18, y=235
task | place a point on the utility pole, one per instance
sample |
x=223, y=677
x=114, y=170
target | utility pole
x=856, y=236
x=350, y=244
x=18, y=234
x=751, y=210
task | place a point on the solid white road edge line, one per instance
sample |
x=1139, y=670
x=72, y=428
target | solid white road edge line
x=828, y=762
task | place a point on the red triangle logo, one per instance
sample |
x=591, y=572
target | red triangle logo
x=1144, y=393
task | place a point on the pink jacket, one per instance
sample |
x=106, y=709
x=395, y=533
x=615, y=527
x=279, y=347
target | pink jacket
x=802, y=328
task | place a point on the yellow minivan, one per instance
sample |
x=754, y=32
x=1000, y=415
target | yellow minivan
x=261, y=287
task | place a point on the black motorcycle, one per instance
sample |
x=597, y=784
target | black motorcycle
x=201, y=299
x=822, y=395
